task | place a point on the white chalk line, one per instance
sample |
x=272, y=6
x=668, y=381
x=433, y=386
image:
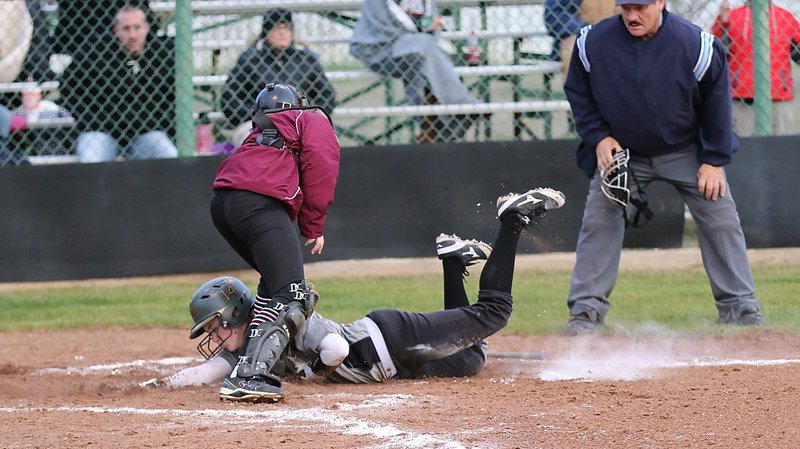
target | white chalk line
x=630, y=370
x=119, y=367
x=732, y=362
x=390, y=436
x=572, y=368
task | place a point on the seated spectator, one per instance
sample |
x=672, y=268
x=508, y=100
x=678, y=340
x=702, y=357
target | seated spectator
x=734, y=27
x=275, y=58
x=121, y=91
x=33, y=46
x=399, y=39
x=8, y=124
x=37, y=62
x=563, y=20
x=16, y=32
x=35, y=110
x=81, y=22
x=5, y=129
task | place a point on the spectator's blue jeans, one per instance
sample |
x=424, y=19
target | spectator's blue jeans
x=408, y=69
x=95, y=146
x=5, y=126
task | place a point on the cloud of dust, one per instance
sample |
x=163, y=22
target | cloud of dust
x=596, y=357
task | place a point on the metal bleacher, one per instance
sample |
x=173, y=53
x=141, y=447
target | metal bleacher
x=351, y=117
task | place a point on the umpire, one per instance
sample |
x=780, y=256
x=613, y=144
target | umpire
x=655, y=83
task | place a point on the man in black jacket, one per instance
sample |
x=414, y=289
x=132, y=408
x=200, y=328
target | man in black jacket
x=82, y=21
x=121, y=90
x=274, y=59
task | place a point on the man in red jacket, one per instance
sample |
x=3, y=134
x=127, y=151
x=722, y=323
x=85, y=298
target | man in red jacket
x=285, y=170
x=734, y=27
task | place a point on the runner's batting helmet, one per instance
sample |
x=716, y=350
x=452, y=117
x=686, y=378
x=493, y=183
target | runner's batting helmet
x=276, y=96
x=226, y=298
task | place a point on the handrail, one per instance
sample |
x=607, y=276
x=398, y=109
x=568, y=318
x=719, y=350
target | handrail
x=497, y=70
x=221, y=7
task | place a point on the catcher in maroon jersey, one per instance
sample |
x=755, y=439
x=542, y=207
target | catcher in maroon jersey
x=284, y=171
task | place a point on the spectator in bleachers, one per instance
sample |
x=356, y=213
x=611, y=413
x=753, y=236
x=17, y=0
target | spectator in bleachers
x=37, y=62
x=8, y=124
x=121, y=91
x=16, y=32
x=565, y=18
x=82, y=22
x=35, y=47
x=275, y=58
x=36, y=110
x=5, y=129
x=398, y=38
x=734, y=27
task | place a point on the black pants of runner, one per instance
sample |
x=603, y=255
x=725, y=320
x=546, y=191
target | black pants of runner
x=449, y=343
x=259, y=229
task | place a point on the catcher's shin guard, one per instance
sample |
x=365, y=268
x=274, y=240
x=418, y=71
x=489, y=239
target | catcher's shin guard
x=256, y=378
x=265, y=345
x=273, y=328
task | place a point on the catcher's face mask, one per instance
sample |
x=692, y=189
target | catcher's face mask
x=614, y=178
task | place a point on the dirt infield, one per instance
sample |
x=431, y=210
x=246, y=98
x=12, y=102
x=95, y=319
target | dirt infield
x=77, y=389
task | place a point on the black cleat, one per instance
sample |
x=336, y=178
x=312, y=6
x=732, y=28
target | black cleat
x=530, y=204
x=250, y=389
x=469, y=251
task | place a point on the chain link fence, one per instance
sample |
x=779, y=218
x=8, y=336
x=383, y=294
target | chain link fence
x=89, y=81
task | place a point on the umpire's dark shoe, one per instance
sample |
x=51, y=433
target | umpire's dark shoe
x=577, y=325
x=745, y=312
x=745, y=318
x=530, y=204
x=251, y=389
x=583, y=321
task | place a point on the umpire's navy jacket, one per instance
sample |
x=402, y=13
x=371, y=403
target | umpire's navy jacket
x=654, y=96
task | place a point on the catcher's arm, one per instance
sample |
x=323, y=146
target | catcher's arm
x=209, y=373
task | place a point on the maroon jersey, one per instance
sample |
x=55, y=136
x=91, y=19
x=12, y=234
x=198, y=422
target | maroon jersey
x=302, y=174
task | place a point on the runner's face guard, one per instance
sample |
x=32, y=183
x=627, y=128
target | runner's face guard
x=207, y=347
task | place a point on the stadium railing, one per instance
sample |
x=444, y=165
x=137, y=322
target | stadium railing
x=219, y=7
x=542, y=108
x=222, y=13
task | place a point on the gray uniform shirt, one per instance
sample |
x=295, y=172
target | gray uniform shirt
x=361, y=335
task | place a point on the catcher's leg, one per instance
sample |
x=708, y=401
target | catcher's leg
x=270, y=332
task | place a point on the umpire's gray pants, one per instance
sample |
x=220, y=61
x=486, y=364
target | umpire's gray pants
x=719, y=235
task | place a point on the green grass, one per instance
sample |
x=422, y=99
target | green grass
x=642, y=302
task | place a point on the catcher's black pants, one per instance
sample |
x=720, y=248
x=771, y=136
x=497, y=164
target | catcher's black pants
x=259, y=229
x=448, y=343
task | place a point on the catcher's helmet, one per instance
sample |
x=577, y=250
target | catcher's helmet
x=276, y=96
x=226, y=298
